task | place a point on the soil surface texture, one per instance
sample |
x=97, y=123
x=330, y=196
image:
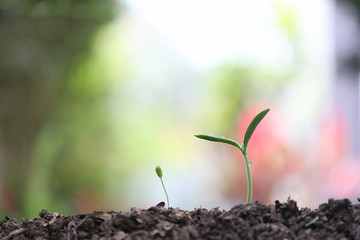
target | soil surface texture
x=337, y=219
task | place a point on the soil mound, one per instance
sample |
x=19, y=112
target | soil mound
x=337, y=219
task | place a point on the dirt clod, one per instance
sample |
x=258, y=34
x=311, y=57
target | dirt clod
x=337, y=219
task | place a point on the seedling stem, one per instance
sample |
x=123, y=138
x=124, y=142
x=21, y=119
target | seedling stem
x=243, y=148
x=160, y=174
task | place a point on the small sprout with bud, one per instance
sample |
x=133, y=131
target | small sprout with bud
x=160, y=174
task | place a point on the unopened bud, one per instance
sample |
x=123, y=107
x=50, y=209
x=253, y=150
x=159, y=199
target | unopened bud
x=159, y=171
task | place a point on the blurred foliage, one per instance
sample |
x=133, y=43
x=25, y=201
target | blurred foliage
x=234, y=87
x=42, y=42
x=355, y=3
x=287, y=20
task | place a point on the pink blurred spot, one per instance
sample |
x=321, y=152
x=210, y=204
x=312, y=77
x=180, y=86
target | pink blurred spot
x=344, y=179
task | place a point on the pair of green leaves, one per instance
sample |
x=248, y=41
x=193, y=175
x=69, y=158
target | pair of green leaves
x=243, y=148
x=249, y=132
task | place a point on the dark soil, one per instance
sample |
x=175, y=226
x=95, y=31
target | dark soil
x=337, y=219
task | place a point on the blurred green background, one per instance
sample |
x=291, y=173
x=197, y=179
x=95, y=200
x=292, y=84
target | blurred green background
x=95, y=94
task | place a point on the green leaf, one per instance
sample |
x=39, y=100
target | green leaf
x=251, y=128
x=218, y=139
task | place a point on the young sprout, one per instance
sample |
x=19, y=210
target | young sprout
x=243, y=148
x=160, y=174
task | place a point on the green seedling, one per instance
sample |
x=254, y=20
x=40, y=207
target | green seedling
x=160, y=174
x=243, y=148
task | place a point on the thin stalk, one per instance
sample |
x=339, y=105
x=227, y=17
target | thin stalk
x=249, y=179
x=243, y=147
x=167, y=198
